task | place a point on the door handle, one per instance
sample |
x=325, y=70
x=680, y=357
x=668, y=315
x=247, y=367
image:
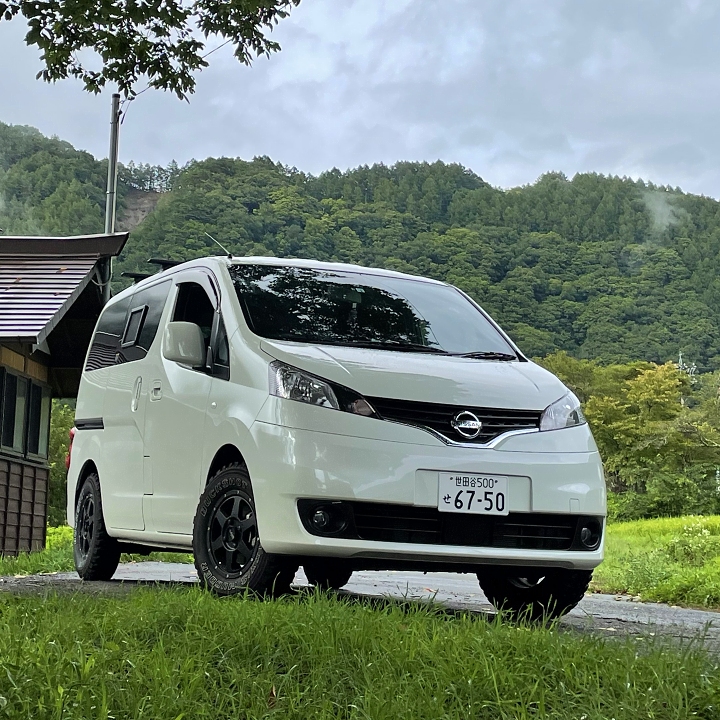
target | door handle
x=156, y=392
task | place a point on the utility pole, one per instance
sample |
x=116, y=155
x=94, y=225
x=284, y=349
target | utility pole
x=111, y=195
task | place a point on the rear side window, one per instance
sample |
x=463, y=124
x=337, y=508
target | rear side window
x=127, y=328
x=108, y=334
x=143, y=321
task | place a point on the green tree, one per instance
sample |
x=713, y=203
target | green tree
x=62, y=419
x=162, y=40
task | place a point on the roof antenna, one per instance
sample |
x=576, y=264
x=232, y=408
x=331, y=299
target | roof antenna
x=222, y=247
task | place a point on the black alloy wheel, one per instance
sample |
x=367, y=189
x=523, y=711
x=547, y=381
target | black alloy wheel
x=232, y=534
x=96, y=554
x=229, y=556
x=85, y=525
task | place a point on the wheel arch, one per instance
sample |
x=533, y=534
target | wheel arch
x=87, y=468
x=226, y=455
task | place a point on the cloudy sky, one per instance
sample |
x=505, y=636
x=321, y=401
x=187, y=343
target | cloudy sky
x=509, y=88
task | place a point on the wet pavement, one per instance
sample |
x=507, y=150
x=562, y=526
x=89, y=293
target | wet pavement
x=609, y=615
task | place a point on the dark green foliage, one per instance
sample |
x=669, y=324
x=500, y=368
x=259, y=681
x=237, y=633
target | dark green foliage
x=48, y=187
x=658, y=431
x=63, y=417
x=603, y=268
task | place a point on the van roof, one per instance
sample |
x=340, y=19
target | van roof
x=319, y=265
x=223, y=260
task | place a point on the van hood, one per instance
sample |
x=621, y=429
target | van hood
x=425, y=377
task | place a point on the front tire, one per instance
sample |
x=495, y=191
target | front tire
x=226, y=544
x=96, y=554
x=534, y=594
x=327, y=573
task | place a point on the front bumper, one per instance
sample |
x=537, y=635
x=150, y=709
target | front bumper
x=293, y=463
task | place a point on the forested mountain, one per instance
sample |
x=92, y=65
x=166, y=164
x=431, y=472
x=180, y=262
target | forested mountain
x=605, y=268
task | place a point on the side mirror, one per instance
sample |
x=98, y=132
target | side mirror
x=184, y=343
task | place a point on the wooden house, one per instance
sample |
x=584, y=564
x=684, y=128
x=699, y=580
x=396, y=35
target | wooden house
x=51, y=293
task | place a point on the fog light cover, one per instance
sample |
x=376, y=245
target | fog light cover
x=590, y=535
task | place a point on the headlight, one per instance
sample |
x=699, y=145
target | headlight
x=292, y=383
x=566, y=412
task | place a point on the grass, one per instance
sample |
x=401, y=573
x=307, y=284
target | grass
x=672, y=560
x=182, y=653
x=58, y=557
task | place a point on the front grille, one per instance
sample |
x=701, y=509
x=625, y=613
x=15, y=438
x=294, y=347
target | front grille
x=409, y=524
x=437, y=417
x=384, y=522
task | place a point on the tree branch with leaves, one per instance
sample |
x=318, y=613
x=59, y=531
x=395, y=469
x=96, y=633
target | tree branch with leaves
x=123, y=42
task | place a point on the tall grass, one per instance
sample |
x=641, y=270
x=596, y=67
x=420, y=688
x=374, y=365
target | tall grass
x=673, y=560
x=183, y=653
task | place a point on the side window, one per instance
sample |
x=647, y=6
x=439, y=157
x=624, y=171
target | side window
x=142, y=323
x=108, y=333
x=221, y=356
x=193, y=305
x=132, y=329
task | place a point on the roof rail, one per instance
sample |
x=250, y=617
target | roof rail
x=136, y=276
x=164, y=264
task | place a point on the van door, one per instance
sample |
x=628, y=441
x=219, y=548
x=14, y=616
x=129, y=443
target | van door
x=121, y=471
x=176, y=409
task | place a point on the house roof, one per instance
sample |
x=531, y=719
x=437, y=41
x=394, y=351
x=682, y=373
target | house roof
x=40, y=279
x=96, y=246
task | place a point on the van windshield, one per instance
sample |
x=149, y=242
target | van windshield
x=355, y=309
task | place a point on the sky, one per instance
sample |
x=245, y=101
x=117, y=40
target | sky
x=509, y=88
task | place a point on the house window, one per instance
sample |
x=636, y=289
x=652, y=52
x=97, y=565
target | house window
x=15, y=392
x=38, y=421
x=25, y=416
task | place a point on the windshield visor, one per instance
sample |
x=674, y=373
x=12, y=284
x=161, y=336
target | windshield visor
x=330, y=307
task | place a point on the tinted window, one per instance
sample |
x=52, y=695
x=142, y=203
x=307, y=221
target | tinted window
x=132, y=329
x=221, y=363
x=222, y=352
x=329, y=307
x=154, y=297
x=193, y=305
x=122, y=338
x=112, y=320
x=109, y=330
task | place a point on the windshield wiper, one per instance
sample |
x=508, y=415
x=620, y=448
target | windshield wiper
x=401, y=347
x=488, y=355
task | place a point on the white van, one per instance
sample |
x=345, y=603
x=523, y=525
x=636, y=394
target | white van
x=266, y=414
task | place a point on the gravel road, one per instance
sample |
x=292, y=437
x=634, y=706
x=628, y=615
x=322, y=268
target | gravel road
x=610, y=615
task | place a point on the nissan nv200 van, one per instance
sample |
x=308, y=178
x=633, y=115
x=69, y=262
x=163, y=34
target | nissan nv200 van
x=266, y=414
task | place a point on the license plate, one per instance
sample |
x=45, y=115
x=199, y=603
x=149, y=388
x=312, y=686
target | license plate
x=478, y=494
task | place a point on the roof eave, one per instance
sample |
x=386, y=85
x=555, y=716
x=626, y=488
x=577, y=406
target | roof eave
x=94, y=246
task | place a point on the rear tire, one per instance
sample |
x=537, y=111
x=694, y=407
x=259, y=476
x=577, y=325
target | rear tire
x=327, y=573
x=534, y=594
x=226, y=544
x=96, y=554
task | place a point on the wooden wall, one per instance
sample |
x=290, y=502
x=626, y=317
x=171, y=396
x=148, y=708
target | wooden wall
x=23, y=506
